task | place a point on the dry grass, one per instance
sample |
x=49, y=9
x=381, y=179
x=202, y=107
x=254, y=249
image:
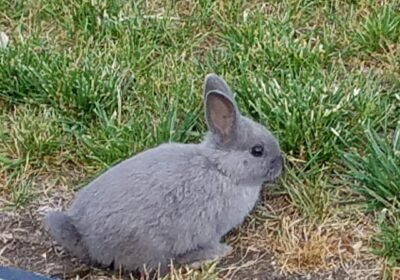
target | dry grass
x=339, y=242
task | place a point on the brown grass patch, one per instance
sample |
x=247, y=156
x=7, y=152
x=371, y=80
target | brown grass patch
x=336, y=243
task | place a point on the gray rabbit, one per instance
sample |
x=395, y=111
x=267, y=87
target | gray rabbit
x=175, y=201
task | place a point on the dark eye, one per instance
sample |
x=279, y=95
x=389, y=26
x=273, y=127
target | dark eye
x=257, y=150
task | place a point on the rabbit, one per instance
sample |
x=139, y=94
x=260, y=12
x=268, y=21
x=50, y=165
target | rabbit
x=173, y=202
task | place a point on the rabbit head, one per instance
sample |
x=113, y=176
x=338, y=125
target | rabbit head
x=253, y=155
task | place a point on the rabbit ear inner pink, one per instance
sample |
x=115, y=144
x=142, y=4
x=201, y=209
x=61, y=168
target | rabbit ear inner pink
x=221, y=115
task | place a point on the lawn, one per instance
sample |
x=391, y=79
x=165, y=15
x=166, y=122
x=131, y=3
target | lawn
x=85, y=84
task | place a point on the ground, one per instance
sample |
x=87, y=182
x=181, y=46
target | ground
x=261, y=249
x=86, y=84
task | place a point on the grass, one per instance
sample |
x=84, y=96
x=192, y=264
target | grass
x=85, y=84
x=376, y=171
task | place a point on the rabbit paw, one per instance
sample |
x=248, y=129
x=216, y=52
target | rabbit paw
x=194, y=259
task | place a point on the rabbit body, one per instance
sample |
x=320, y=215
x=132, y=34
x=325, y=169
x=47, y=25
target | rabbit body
x=174, y=201
x=134, y=214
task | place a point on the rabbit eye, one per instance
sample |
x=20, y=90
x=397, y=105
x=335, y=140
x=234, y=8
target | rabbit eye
x=257, y=150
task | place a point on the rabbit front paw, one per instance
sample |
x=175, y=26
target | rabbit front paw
x=197, y=257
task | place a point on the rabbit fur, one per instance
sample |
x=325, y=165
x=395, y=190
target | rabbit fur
x=175, y=201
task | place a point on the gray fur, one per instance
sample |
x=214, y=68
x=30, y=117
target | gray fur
x=174, y=201
x=65, y=232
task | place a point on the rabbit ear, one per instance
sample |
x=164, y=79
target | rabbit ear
x=221, y=115
x=212, y=82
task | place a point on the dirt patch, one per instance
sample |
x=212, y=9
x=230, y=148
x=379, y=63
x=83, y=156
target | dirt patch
x=25, y=244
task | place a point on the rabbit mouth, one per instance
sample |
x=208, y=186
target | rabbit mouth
x=272, y=177
x=270, y=180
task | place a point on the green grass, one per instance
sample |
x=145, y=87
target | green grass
x=376, y=167
x=85, y=84
x=386, y=242
x=380, y=30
